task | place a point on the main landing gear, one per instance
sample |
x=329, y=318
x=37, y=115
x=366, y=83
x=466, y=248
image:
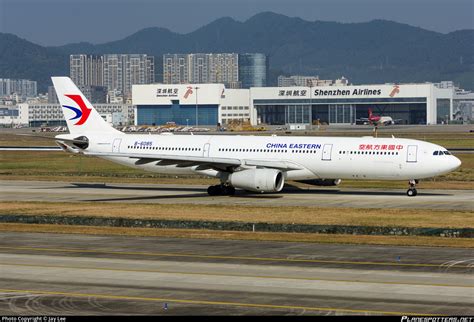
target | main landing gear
x=411, y=192
x=221, y=190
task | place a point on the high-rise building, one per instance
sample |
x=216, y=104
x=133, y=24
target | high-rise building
x=201, y=68
x=94, y=94
x=117, y=72
x=113, y=69
x=86, y=69
x=309, y=81
x=122, y=71
x=199, y=65
x=223, y=68
x=253, y=68
x=23, y=88
x=175, y=69
x=52, y=96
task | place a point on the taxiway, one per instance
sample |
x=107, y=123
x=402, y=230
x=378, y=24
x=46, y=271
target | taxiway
x=60, y=274
x=186, y=194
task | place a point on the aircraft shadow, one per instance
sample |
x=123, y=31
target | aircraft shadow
x=253, y=195
x=294, y=190
x=105, y=186
x=288, y=189
x=200, y=195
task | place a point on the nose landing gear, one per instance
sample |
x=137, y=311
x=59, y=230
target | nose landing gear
x=411, y=192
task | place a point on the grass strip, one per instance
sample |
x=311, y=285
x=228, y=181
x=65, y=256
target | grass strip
x=258, y=236
x=390, y=217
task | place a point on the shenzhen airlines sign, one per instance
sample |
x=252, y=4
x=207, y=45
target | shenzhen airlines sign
x=348, y=92
x=166, y=92
x=337, y=92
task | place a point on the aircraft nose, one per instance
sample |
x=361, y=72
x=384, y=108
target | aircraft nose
x=456, y=162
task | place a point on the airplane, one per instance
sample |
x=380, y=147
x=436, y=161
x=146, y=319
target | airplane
x=378, y=120
x=254, y=163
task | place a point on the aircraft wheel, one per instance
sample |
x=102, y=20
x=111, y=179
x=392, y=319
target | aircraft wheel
x=214, y=190
x=229, y=190
x=411, y=192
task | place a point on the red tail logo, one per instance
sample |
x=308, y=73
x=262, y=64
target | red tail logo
x=82, y=113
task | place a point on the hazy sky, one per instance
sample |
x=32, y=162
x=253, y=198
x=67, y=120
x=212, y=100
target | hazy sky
x=57, y=22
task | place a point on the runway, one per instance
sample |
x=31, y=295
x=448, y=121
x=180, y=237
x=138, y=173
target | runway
x=186, y=194
x=62, y=274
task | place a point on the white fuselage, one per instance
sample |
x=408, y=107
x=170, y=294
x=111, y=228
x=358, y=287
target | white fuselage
x=385, y=120
x=318, y=157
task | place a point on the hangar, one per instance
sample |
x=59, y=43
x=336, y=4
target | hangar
x=193, y=104
x=209, y=104
x=426, y=103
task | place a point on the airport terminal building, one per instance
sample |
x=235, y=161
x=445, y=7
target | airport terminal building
x=424, y=103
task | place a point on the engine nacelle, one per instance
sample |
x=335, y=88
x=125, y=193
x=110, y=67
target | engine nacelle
x=322, y=182
x=258, y=180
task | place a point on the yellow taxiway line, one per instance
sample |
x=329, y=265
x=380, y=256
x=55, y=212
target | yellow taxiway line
x=268, y=259
x=202, y=302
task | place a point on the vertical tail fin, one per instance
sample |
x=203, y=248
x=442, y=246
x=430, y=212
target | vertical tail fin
x=370, y=113
x=81, y=117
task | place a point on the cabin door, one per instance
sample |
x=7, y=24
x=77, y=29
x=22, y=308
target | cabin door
x=205, y=150
x=411, y=153
x=327, y=149
x=116, y=145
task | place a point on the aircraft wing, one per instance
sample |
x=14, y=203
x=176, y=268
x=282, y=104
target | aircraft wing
x=204, y=163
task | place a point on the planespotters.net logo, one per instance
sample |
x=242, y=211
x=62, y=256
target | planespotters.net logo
x=437, y=319
x=82, y=113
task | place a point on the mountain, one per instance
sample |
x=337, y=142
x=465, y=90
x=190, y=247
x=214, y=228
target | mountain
x=22, y=59
x=369, y=52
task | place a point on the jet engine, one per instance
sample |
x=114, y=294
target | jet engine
x=258, y=180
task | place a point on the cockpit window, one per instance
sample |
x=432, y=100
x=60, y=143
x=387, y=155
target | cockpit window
x=441, y=153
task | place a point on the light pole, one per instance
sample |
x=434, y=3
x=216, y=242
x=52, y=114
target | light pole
x=311, y=106
x=309, y=83
x=196, y=88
